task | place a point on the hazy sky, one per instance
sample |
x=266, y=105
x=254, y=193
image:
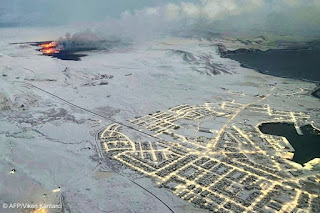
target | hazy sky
x=40, y=12
x=285, y=16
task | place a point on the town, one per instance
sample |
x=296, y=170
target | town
x=215, y=158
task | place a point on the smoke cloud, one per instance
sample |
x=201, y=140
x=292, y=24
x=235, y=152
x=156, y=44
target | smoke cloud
x=284, y=17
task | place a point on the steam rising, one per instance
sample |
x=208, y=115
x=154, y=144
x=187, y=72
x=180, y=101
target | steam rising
x=285, y=17
x=294, y=16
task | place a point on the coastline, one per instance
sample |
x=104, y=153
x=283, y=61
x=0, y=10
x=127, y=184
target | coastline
x=224, y=53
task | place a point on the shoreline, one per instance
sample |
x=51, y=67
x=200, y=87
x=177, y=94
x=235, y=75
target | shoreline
x=223, y=52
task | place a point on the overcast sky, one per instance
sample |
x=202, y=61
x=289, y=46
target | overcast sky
x=41, y=12
x=285, y=16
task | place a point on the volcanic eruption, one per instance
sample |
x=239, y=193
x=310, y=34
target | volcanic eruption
x=49, y=48
x=70, y=47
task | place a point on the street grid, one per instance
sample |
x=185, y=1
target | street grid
x=231, y=168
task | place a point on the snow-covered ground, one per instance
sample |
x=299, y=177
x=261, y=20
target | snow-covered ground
x=51, y=111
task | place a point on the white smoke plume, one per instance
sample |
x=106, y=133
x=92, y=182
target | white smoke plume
x=284, y=16
x=300, y=17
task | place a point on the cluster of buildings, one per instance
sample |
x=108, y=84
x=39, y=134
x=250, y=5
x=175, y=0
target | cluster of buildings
x=231, y=169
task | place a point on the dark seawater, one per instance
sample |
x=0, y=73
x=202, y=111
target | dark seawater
x=307, y=146
x=301, y=63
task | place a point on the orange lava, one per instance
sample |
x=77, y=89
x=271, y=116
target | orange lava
x=49, y=48
x=48, y=45
x=50, y=51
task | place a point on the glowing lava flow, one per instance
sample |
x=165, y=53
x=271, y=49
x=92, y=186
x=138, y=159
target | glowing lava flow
x=50, y=51
x=49, y=48
x=48, y=45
